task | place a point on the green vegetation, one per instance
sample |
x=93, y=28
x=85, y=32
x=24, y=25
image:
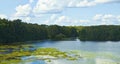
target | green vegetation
x=41, y=53
x=17, y=31
x=50, y=51
x=100, y=33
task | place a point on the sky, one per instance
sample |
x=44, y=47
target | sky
x=62, y=12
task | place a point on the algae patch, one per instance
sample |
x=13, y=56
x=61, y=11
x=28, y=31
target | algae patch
x=17, y=53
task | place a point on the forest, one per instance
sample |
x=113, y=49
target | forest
x=100, y=33
x=17, y=31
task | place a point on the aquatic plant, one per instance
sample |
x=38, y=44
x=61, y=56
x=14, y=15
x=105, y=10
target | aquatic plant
x=48, y=54
x=40, y=53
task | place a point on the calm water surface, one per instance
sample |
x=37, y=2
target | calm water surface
x=108, y=52
x=90, y=46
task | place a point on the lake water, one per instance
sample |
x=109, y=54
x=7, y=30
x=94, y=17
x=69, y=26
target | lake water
x=98, y=52
x=84, y=52
x=107, y=46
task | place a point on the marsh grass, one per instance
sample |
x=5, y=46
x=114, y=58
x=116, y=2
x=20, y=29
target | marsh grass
x=18, y=52
x=47, y=54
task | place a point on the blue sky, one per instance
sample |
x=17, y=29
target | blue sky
x=63, y=12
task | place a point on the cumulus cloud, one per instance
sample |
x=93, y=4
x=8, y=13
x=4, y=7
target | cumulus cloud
x=23, y=10
x=107, y=19
x=56, y=6
x=98, y=19
x=48, y=6
x=65, y=20
x=44, y=7
x=2, y=16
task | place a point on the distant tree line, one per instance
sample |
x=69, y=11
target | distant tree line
x=100, y=33
x=17, y=31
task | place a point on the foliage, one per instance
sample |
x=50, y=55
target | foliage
x=18, y=31
x=100, y=33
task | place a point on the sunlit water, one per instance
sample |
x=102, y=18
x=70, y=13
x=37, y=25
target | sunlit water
x=92, y=52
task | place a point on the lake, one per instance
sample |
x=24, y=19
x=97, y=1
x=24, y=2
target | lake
x=91, y=52
x=90, y=46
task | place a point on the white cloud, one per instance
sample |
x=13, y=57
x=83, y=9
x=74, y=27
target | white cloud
x=31, y=1
x=79, y=3
x=64, y=20
x=106, y=19
x=56, y=6
x=48, y=6
x=84, y=21
x=97, y=17
x=60, y=20
x=118, y=18
x=27, y=19
x=102, y=1
x=89, y=3
x=53, y=6
x=2, y=16
x=23, y=10
x=51, y=19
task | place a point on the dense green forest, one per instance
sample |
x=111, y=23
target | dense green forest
x=17, y=31
x=100, y=33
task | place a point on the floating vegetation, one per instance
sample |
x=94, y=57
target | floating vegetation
x=18, y=52
x=49, y=54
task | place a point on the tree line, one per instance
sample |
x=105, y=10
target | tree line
x=100, y=33
x=17, y=31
